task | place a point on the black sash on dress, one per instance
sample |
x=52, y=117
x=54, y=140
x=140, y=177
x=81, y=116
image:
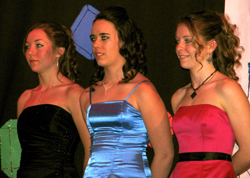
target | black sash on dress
x=204, y=156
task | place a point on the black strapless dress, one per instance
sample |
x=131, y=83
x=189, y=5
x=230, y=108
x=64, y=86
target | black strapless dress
x=48, y=138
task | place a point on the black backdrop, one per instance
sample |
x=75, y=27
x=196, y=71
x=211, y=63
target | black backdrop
x=157, y=20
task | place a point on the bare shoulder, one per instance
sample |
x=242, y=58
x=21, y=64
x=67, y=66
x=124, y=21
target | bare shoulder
x=178, y=96
x=145, y=87
x=22, y=100
x=144, y=92
x=74, y=90
x=230, y=94
x=25, y=95
x=72, y=103
x=227, y=87
x=73, y=93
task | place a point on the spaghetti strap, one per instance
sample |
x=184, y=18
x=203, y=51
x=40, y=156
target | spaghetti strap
x=90, y=96
x=135, y=88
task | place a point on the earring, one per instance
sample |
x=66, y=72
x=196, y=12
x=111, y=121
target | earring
x=57, y=62
x=209, y=59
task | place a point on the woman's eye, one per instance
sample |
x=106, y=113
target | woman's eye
x=39, y=45
x=26, y=47
x=92, y=39
x=105, y=38
x=177, y=41
x=188, y=41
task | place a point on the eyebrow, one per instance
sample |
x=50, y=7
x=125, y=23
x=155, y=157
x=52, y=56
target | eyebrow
x=35, y=40
x=104, y=34
x=187, y=36
x=100, y=34
x=184, y=37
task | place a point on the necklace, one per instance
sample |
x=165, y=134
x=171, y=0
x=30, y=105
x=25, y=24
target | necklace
x=106, y=88
x=47, y=89
x=194, y=93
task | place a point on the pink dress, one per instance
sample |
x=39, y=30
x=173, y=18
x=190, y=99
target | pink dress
x=203, y=128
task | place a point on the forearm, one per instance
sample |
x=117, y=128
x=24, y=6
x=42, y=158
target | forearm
x=85, y=160
x=160, y=167
x=241, y=162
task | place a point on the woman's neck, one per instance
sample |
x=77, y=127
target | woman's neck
x=112, y=76
x=48, y=80
x=199, y=76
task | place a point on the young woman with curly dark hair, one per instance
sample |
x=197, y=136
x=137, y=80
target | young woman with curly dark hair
x=122, y=107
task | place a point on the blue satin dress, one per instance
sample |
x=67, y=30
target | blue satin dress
x=119, y=141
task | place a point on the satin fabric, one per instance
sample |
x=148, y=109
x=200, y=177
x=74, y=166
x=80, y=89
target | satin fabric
x=48, y=137
x=119, y=141
x=203, y=128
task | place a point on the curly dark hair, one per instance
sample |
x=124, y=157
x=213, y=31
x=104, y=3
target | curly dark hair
x=60, y=36
x=133, y=47
x=208, y=25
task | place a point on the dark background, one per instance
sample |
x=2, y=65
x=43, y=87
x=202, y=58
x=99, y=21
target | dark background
x=157, y=20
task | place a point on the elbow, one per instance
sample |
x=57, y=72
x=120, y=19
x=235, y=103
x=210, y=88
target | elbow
x=170, y=157
x=166, y=157
x=170, y=153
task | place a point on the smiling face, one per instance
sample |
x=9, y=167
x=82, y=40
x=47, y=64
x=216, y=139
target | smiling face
x=185, y=49
x=106, y=44
x=39, y=51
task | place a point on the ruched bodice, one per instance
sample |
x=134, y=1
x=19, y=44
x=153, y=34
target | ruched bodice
x=203, y=128
x=48, y=138
x=119, y=141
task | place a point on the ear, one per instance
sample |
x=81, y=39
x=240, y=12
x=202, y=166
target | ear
x=120, y=44
x=60, y=51
x=212, y=44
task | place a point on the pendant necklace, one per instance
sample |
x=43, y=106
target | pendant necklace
x=47, y=89
x=195, y=89
x=106, y=88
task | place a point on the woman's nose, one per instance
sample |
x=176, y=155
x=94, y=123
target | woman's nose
x=179, y=46
x=30, y=51
x=96, y=44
